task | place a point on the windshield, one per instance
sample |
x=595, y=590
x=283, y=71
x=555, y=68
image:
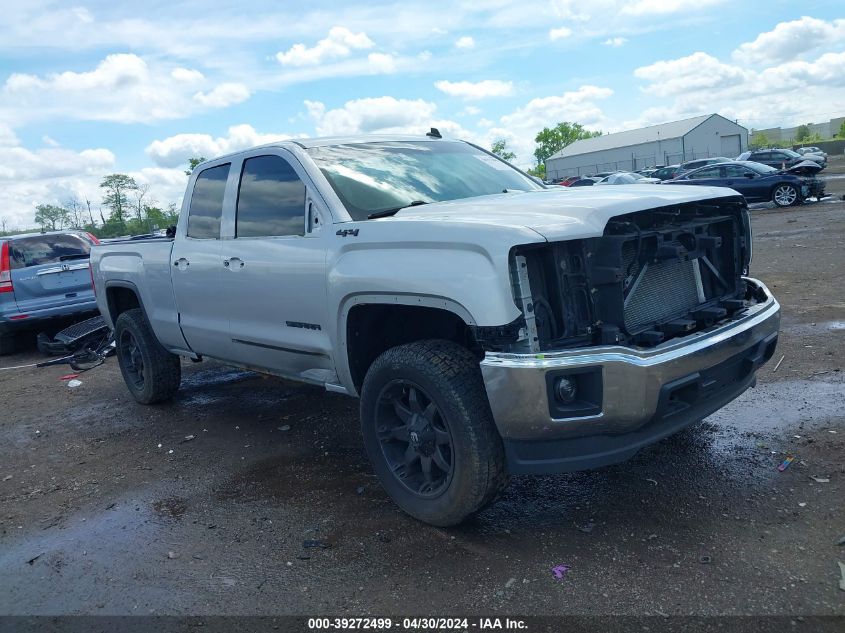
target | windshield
x=791, y=154
x=373, y=177
x=760, y=168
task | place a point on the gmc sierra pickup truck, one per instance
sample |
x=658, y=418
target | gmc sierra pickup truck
x=489, y=325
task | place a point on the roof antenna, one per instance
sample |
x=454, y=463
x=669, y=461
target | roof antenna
x=435, y=133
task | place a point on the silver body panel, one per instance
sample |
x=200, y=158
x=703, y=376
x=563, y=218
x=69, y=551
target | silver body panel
x=449, y=255
x=632, y=378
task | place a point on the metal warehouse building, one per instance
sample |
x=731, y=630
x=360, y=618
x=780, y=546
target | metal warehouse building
x=665, y=144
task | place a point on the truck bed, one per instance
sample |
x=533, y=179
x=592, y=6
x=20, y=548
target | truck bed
x=145, y=267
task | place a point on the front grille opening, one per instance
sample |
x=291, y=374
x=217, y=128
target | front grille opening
x=663, y=291
x=653, y=276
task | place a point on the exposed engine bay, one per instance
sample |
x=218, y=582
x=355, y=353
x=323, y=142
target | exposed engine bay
x=652, y=276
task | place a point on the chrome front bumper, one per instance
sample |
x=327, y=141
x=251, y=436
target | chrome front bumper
x=633, y=382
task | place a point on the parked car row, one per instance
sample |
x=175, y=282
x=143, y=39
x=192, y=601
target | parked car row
x=780, y=176
x=756, y=182
x=777, y=158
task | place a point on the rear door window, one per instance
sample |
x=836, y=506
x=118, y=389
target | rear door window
x=706, y=172
x=735, y=171
x=206, y=208
x=47, y=249
x=271, y=199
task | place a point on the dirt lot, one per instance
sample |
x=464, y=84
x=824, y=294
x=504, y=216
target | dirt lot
x=107, y=508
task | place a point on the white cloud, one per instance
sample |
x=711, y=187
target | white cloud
x=7, y=136
x=691, y=73
x=383, y=115
x=166, y=184
x=82, y=14
x=475, y=90
x=176, y=150
x=559, y=33
x=340, y=42
x=465, y=42
x=371, y=115
x=788, y=40
x=471, y=111
x=783, y=94
x=657, y=7
x=187, y=75
x=49, y=175
x=519, y=127
x=615, y=42
x=123, y=88
x=382, y=63
x=576, y=106
x=223, y=95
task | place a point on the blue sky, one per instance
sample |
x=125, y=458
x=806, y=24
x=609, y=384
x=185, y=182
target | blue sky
x=92, y=88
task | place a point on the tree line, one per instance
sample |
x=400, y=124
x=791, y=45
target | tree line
x=126, y=208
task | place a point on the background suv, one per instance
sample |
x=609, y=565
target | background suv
x=780, y=158
x=43, y=277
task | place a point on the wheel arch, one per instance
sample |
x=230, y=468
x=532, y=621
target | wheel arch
x=122, y=296
x=370, y=324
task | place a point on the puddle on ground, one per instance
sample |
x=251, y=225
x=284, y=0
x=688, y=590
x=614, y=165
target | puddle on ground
x=723, y=455
x=814, y=328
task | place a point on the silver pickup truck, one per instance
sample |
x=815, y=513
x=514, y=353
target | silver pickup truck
x=489, y=325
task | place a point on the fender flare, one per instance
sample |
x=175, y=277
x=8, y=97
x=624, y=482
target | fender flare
x=384, y=298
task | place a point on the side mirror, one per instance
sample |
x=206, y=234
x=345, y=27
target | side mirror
x=748, y=175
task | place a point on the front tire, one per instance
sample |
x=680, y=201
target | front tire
x=785, y=195
x=429, y=432
x=152, y=374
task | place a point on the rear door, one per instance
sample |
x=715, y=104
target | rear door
x=50, y=271
x=274, y=275
x=197, y=266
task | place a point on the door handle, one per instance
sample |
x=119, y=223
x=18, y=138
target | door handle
x=181, y=262
x=233, y=262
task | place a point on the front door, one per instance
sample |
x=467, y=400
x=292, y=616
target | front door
x=196, y=267
x=274, y=275
x=747, y=182
x=710, y=176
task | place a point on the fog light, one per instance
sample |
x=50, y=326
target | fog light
x=566, y=390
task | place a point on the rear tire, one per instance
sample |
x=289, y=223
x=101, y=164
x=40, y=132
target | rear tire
x=152, y=374
x=785, y=195
x=429, y=432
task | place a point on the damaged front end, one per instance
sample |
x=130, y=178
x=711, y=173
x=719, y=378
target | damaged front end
x=652, y=276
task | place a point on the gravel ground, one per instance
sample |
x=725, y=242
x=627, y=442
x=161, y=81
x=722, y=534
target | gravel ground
x=107, y=507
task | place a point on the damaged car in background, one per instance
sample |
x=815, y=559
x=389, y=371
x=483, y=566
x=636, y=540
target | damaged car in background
x=489, y=325
x=758, y=182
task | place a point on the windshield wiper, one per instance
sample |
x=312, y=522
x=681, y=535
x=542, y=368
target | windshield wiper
x=64, y=258
x=388, y=212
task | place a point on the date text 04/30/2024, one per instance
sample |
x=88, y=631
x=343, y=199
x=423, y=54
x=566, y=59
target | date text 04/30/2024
x=417, y=624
